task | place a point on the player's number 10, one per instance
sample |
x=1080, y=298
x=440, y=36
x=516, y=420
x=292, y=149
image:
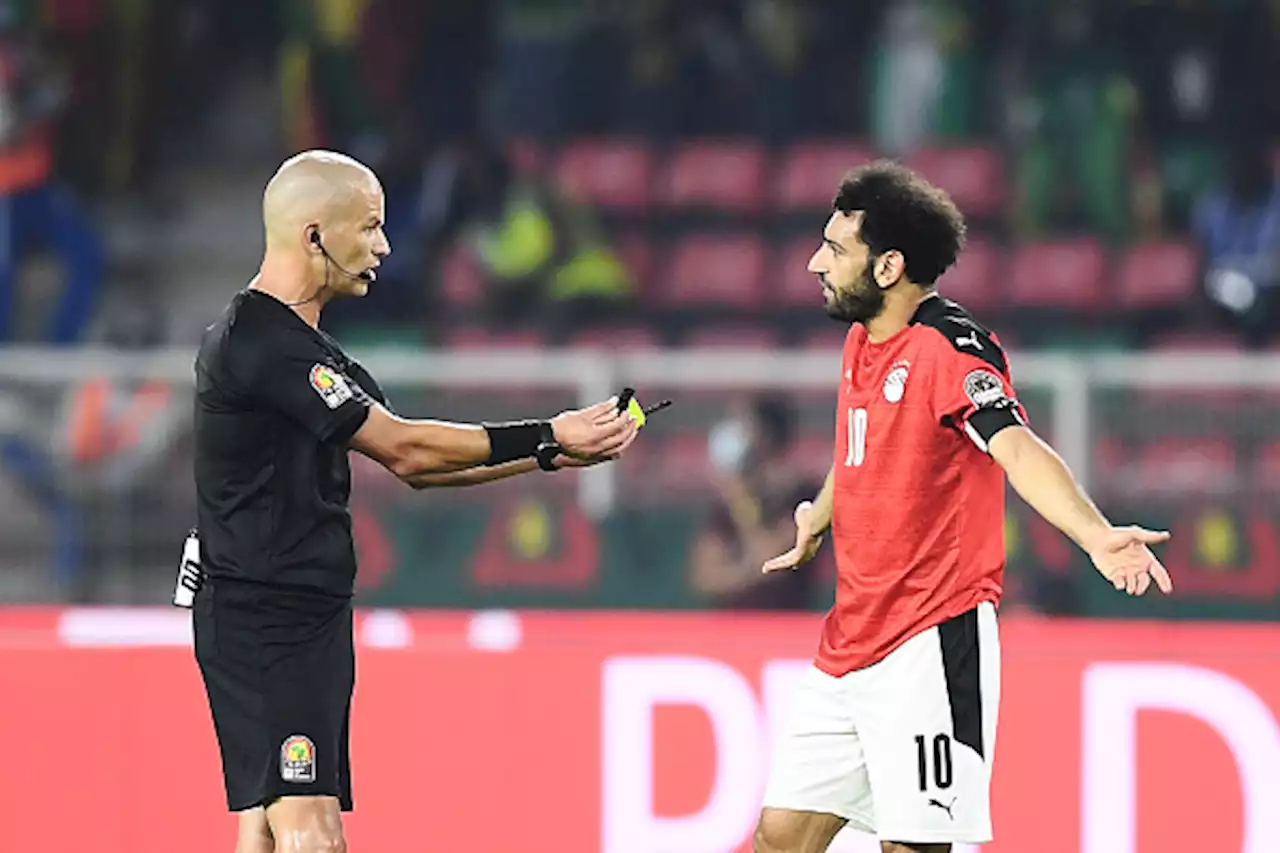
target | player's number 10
x=857, y=438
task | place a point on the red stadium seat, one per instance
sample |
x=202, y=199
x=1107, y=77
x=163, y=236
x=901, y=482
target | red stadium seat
x=1178, y=467
x=734, y=335
x=1197, y=342
x=973, y=175
x=462, y=282
x=1064, y=274
x=613, y=174
x=1192, y=343
x=637, y=255
x=726, y=177
x=827, y=338
x=811, y=171
x=715, y=270
x=1156, y=274
x=791, y=285
x=628, y=338
x=476, y=337
x=974, y=280
x=1266, y=470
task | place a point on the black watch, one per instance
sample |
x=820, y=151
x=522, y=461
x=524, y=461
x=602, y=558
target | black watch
x=548, y=449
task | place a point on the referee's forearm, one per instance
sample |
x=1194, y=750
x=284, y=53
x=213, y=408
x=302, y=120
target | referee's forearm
x=441, y=448
x=473, y=476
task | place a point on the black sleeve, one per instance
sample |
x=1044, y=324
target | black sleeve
x=296, y=376
x=368, y=384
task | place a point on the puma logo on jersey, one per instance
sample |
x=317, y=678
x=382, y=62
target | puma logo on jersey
x=945, y=807
x=970, y=341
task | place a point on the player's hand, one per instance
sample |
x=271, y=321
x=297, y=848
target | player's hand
x=807, y=542
x=1123, y=556
x=596, y=433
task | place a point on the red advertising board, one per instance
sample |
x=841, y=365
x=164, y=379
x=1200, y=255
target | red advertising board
x=631, y=733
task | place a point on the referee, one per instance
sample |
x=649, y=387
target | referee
x=278, y=405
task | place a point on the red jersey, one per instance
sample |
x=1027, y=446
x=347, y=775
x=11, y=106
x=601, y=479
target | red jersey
x=918, y=517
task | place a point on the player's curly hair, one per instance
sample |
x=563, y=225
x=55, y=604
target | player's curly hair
x=903, y=211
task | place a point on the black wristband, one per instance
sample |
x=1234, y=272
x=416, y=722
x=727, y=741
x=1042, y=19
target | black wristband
x=517, y=440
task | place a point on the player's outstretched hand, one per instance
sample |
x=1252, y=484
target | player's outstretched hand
x=807, y=543
x=1124, y=557
x=596, y=433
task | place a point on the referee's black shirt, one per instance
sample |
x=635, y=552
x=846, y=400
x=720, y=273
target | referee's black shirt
x=276, y=403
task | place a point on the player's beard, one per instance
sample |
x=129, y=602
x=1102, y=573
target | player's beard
x=863, y=300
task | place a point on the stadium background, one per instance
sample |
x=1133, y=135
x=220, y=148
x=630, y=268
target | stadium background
x=586, y=192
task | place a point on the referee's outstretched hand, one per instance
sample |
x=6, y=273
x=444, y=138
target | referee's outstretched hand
x=595, y=433
x=807, y=543
x=1124, y=557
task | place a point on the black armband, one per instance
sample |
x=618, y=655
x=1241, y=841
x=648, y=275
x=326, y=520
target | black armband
x=519, y=440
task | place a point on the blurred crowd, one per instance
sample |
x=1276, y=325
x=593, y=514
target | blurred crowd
x=627, y=173
x=1078, y=127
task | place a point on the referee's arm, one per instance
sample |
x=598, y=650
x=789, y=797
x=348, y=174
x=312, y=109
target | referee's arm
x=416, y=448
x=426, y=453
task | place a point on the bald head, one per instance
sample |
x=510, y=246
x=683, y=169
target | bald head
x=315, y=187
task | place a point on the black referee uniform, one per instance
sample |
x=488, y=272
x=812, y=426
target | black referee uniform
x=276, y=403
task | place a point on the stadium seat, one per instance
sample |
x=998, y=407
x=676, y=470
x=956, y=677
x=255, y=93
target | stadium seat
x=1197, y=342
x=810, y=173
x=1206, y=399
x=829, y=337
x=611, y=174
x=613, y=339
x=477, y=337
x=733, y=335
x=973, y=175
x=790, y=284
x=461, y=280
x=1177, y=467
x=1066, y=274
x=711, y=270
x=725, y=177
x=1153, y=275
x=1266, y=469
x=637, y=256
x=974, y=280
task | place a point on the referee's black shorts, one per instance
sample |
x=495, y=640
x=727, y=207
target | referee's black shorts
x=279, y=670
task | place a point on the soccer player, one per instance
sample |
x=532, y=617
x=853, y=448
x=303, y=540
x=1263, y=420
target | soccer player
x=893, y=729
x=278, y=406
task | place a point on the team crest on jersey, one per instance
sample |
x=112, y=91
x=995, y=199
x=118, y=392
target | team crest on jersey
x=298, y=759
x=330, y=385
x=984, y=389
x=895, y=384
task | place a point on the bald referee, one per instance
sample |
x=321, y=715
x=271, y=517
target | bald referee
x=278, y=406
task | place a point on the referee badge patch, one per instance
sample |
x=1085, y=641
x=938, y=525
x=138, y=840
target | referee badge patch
x=330, y=385
x=984, y=389
x=298, y=759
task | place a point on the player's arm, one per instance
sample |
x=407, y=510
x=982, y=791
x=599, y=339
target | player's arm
x=1043, y=480
x=1040, y=476
x=418, y=450
x=820, y=513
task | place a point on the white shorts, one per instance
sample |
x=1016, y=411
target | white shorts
x=902, y=748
